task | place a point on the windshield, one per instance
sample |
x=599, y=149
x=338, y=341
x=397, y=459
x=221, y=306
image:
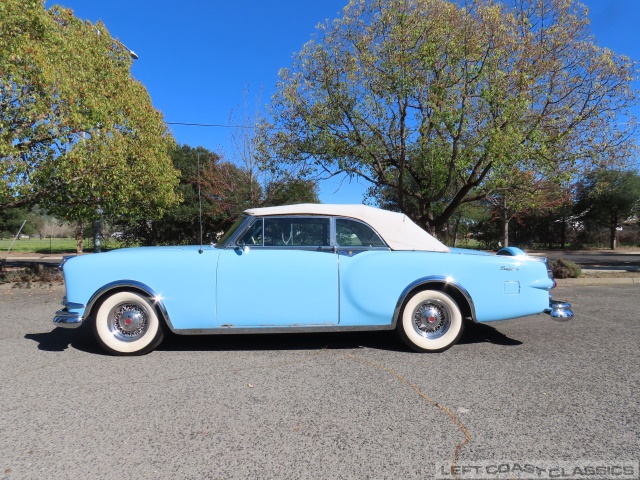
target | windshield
x=229, y=233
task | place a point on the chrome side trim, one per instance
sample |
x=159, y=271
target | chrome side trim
x=67, y=319
x=435, y=279
x=295, y=329
x=353, y=251
x=129, y=284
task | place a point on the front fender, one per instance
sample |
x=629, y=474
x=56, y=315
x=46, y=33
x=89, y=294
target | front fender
x=128, y=285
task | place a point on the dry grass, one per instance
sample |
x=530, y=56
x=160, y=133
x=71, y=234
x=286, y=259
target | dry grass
x=32, y=273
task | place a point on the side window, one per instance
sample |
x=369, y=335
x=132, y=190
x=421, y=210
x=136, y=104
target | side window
x=296, y=232
x=350, y=233
x=253, y=236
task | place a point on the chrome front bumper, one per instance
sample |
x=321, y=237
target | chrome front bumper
x=65, y=318
x=559, y=310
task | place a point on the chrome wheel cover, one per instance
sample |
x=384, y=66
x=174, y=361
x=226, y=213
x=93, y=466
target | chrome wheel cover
x=128, y=321
x=431, y=319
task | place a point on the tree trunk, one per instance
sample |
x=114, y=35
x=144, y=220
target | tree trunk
x=79, y=235
x=97, y=236
x=455, y=232
x=505, y=223
x=613, y=234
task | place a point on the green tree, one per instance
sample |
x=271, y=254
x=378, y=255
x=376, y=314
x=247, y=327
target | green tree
x=180, y=223
x=226, y=190
x=78, y=134
x=231, y=189
x=37, y=219
x=525, y=193
x=289, y=191
x=235, y=189
x=440, y=103
x=11, y=220
x=607, y=198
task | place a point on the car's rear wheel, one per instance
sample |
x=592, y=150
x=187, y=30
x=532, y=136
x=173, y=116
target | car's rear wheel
x=431, y=321
x=126, y=323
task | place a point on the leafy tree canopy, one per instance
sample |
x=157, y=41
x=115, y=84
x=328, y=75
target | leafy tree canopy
x=609, y=197
x=179, y=224
x=11, y=221
x=78, y=134
x=441, y=103
x=226, y=190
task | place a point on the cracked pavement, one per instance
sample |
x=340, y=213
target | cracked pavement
x=350, y=405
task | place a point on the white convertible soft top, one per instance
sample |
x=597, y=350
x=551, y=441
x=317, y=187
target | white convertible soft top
x=396, y=229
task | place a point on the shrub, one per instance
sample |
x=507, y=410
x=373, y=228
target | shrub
x=32, y=273
x=563, y=268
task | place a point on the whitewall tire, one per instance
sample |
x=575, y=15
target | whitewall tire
x=127, y=323
x=431, y=321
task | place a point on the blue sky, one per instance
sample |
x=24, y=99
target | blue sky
x=197, y=57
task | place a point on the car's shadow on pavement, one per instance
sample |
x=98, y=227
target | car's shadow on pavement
x=284, y=341
x=60, y=339
x=481, y=332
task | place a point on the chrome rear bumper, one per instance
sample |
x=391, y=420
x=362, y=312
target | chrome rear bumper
x=559, y=310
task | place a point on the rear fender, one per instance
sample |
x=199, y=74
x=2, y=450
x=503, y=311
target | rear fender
x=443, y=284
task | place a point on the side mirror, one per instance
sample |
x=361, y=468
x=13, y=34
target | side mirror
x=242, y=248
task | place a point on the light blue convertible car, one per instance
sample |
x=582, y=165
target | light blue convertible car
x=304, y=268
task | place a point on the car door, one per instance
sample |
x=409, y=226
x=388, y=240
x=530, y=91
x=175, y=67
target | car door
x=281, y=272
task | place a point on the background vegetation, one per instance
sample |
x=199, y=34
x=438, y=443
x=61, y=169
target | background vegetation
x=487, y=122
x=440, y=104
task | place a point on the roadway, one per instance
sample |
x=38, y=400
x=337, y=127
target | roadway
x=319, y=406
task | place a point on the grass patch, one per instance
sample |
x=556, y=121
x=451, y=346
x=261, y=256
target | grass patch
x=35, y=245
x=470, y=243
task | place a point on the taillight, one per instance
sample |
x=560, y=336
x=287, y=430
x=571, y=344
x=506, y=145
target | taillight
x=550, y=273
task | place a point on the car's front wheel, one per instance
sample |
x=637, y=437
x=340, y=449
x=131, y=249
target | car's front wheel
x=431, y=321
x=126, y=323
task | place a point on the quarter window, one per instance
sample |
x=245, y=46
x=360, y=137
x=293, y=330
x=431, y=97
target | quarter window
x=350, y=233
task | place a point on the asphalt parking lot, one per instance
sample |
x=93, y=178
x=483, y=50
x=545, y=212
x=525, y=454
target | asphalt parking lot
x=319, y=406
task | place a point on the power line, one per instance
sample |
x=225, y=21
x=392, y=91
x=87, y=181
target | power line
x=248, y=127
x=218, y=125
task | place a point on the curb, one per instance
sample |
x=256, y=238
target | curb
x=29, y=286
x=31, y=257
x=597, y=281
